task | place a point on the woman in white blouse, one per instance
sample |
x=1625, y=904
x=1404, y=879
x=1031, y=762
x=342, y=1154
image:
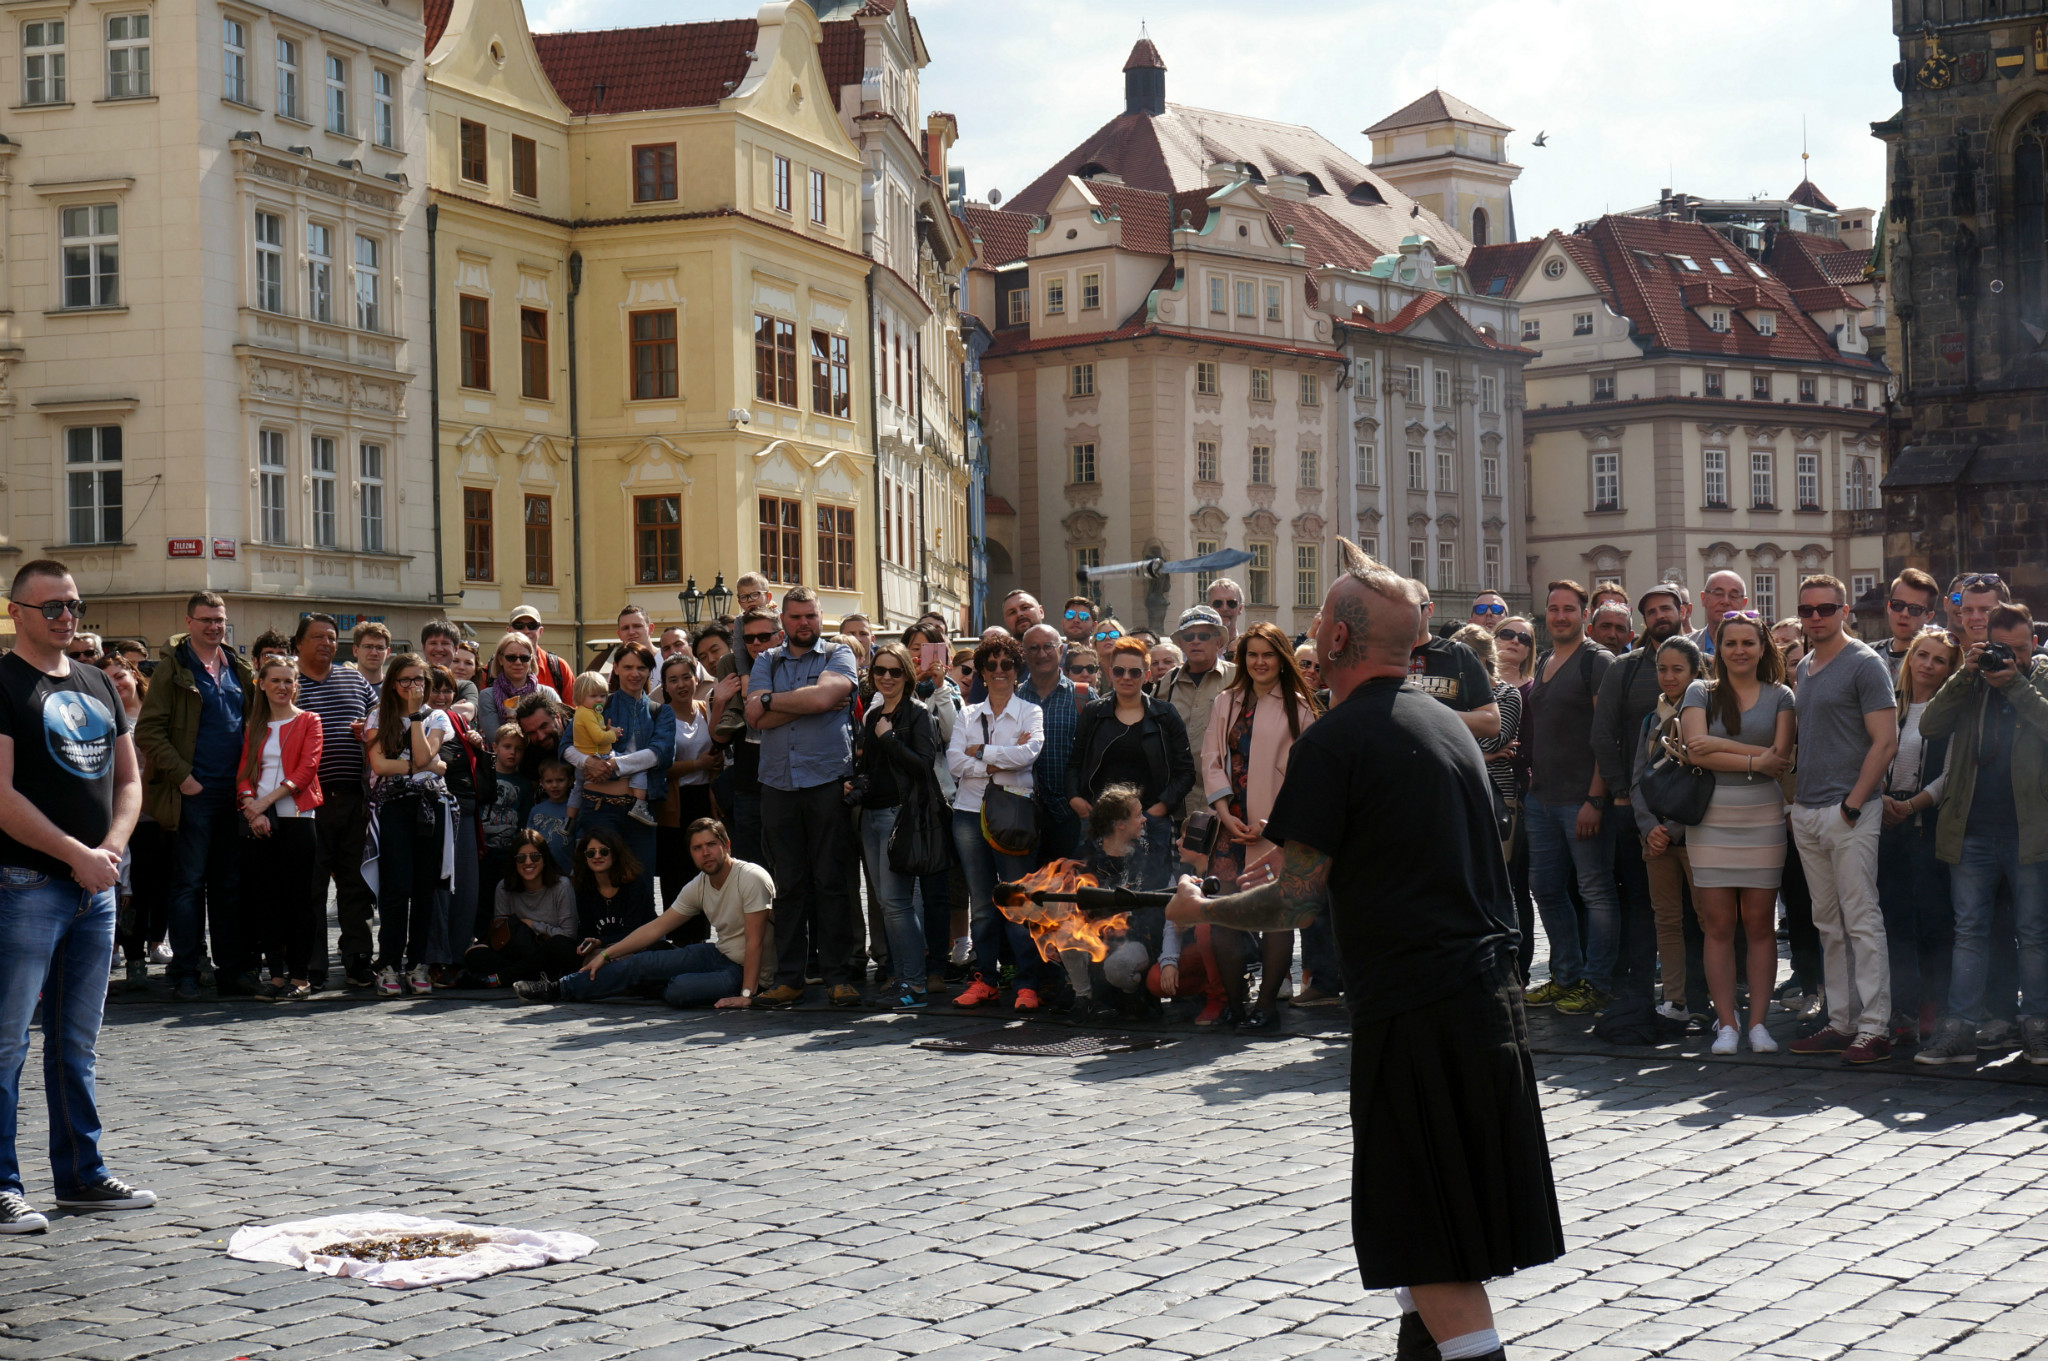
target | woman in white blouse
x=994, y=742
x=1912, y=885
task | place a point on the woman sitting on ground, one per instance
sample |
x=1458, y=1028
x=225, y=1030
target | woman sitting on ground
x=534, y=923
x=607, y=908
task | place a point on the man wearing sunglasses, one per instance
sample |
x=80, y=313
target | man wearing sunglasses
x=548, y=669
x=1077, y=619
x=1226, y=597
x=1848, y=732
x=1191, y=688
x=1912, y=601
x=1488, y=609
x=760, y=631
x=69, y=795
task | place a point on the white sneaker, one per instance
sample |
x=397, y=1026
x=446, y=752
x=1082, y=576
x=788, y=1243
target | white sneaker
x=388, y=984
x=421, y=979
x=1760, y=1041
x=1725, y=1039
x=160, y=953
x=963, y=950
x=1672, y=1011
x=641, y=815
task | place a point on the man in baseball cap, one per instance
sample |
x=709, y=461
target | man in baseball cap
x=1191, y=688
x=548, y=669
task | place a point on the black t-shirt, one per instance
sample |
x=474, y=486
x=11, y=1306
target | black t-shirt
x=1391, y=786
x=1124, y=761
x=1450, y=673
x=64, y=730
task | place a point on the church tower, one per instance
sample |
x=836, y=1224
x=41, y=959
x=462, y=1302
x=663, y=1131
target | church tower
x=1452, y=159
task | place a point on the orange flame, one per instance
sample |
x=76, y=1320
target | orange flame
x=1059, y=927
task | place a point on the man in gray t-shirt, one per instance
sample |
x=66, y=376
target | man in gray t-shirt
x=1848, y=730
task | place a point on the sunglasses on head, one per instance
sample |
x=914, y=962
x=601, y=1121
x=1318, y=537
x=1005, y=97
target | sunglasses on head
x=1517, y=636
x=1489, y=609
x=1907, y=607
x=1080, y=614
x=1128, y=672
x=1751, y=615
x=1826, y=611
x=879, y=672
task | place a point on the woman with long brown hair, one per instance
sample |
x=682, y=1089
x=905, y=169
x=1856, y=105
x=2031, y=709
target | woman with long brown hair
x=277, y=790
x=1253, y=725
x=410, y=823
x=1741, y=727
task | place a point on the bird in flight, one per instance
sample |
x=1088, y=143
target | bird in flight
x=1542, y=139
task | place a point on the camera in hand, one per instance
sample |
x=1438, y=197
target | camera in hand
x=1995, y=657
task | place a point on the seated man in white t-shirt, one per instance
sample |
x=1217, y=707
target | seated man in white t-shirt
x=738, y=899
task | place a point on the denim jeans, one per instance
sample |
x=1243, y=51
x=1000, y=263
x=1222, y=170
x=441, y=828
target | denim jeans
x=1919, y=916
x=815, y=870
x=988, y=926
x=900, y=921
x=1558, y=857
x=694, y=976
x=56, y=943
x=206, y=853
x=1975, y=878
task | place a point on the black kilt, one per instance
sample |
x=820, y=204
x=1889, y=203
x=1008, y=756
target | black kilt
x=1451, y=1174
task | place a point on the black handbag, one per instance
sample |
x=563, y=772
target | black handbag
x=921, y=843
x=1009, y=820
x=1675, y=790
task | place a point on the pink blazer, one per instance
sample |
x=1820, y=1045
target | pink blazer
x=1271, y=742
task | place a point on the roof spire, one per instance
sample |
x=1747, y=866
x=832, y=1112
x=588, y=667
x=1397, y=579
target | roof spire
x=1145, y=78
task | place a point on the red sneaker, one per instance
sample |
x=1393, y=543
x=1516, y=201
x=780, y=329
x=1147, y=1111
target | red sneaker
x=1026, y=1000
x=1212, y=1013
x=1824, y=1041
x=977, y=993
x=1872, y=1048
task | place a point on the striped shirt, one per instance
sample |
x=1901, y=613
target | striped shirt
x=340, y=699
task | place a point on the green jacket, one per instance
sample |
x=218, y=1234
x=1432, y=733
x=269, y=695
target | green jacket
x=1957, y=709
x=167, y=729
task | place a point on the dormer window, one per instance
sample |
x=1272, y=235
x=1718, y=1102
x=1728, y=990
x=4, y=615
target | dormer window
x=1766, y=323
x=1722, y=265
x=1686, y=263
x=1717, y=320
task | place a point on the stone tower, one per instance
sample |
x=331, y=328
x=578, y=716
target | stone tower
x=1452, y=159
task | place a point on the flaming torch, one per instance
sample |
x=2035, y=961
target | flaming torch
x=1067, y=908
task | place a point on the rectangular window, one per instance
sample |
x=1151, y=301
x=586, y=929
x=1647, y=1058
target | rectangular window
x=1418, y=559
x=774, y=359
x=91, y=245
x=1859, y=395
x=782, y=544
x=1081, y=465
x=1308, y=576
x=1091, y=292
x=1446, y=565
x=1763, y=494
x=368, y=288
x=1258, y=575
x=1206, y=384
x=782, y=185
x=288, y=100
x=1081, y=380
x=654, y=173
x=1809, y=390
x=383, y=109
x=1443, y=388
x=1766, y=323
x=1765, y=591
x=1311, y=390
x=1262, y=385
x=1713, y=383
x=1607, y=481
x=1262, y=465
x=42, y=69
x=657, y=539
x=1216, y=287
x=1603, y=387
x=1368, y=466
x=1582, y=323
x=525, y=167
x=1369, y=544
x=1490, y=568
x=818, y=197
x=1760, y=387
x=476, y=534
x=320, y=463
x=1717, y=320
x=1860, y=490
x=272, y=522
x=540, y=541
x=1446, y=479
x=1715, y=462
x=831, y=376
x=1055, y=297
x=533, y=353
x=1020, y=306
x=1532, y=329
x=1418, y=474
x=835, y=548
x=1489, y=476
x=1861, y=585
x=1310, y=470
x=1084, y=558
x=1489, y=396
x=1806, y=471
x=234, y=42
x=127, y=56
x=1413, y=373
x=476, y=162
x=269, y=262
x=319, y=271
x=1244, y=298
x=1203, y=548
x=652, y=336
x=337, y=95
x=1206, y=469
x=1272, y=302
x=370, y=465
x=475, y=320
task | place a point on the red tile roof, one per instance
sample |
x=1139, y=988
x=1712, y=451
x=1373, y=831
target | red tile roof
x=842, y=52
x=1436, y=107
x=1000, y=238
x=1808, y=195
x=1825, y=298
x=1503, y=263
x=670, y=66
x=1804, y=260
x=1325, y=240
x=437, y=20
x=1416, y=309
x=1144, y=54
x=997, y=505
x=1143, y=212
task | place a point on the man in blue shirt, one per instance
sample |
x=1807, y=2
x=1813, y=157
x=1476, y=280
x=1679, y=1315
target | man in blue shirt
x=1047, y=687
x=797, y=698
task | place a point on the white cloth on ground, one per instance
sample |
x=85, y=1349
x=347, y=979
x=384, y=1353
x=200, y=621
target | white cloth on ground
x=504, y=1249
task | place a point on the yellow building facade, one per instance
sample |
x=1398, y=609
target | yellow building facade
x=651, y=303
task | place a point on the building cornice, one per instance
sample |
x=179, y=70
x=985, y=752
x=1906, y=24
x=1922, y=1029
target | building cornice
x=1731, y=411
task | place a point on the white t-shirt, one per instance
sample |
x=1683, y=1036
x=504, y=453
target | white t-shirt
x=439, y=731
x=747, y=889
x=271, y=773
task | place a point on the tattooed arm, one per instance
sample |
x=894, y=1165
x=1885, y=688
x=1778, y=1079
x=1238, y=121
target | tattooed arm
x=1289, y=903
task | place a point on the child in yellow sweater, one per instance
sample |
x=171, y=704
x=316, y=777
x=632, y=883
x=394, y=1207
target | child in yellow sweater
x=594, y=737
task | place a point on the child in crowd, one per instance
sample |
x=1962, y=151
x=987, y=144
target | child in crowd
x=501, y=818
x=551, y=815
x=1114, y=855
x=594, y=737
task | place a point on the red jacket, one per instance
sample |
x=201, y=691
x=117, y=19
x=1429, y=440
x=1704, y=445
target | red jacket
x=299, y=748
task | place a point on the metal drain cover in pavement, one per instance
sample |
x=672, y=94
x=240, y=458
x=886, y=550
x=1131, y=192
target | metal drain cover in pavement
x=1046, y=1040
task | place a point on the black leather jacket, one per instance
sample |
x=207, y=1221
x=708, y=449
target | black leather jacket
x=1165, y=738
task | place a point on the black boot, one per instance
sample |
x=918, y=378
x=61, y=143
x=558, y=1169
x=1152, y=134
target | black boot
x=1415, y=1342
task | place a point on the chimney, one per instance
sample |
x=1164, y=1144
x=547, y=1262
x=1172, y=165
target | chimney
x=1145, y=79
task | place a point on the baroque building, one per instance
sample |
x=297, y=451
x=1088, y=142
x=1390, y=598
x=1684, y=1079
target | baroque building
x=212, y=374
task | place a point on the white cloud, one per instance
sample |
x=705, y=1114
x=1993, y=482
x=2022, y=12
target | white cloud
x=1636, y=95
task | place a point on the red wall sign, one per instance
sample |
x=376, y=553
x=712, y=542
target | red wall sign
x=223, y=548
x=186, y=548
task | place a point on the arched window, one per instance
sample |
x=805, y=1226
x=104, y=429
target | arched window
x=1479, y=224
x=2030, y=210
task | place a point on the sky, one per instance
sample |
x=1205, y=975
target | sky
x=1635, y=95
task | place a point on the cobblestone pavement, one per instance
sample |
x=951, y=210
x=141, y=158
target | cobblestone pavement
x=813, y=1185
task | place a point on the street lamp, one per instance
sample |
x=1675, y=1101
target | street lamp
x=721, y=597
x=693, y=602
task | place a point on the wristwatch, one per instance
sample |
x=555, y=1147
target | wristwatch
x=746, y=992
x=767, y=700
x=1602, y=802
x=1850, y=813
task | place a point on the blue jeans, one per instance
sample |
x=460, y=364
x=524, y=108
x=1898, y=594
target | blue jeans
x=1557, y=857
x=56, y=943
x=900, y=921
x=695, y=975
x=988, y=926
x=1986, y=860
x=206, y=855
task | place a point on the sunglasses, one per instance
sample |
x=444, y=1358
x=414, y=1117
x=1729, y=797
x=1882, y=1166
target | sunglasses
x=1128, y=672
x=517, y=657
x=878, y=672
x=759, y=637
x=1082, y=669
x=1827, y=611
x=53, y=610
x=1517, y=636
x=996, y=664
x=526, y=625
x=1226, y=604
x=1080, y=614
x=527, y=858
x=1489, y=609
x=1906, y=607
x=1200, y=635
x=1753, y=617
x=597, y=853
x=1108, y=636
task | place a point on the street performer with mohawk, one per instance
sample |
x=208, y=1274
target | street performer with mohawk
x=1386, y=823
